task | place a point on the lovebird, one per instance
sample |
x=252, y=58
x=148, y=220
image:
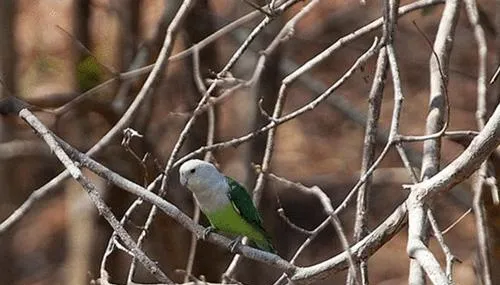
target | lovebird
x=225, y=202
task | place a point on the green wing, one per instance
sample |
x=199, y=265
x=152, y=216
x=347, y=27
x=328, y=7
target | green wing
x=244, y=204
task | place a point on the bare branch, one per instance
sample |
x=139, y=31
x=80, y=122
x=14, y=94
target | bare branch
x=208, y=155
x=450, y=258
x=478, y=203
x=103, y=209
x=19, y=148
x=327, y=207
x=482, y=229
x=352, y=36
x=450, y=227
x=374, y=107
x=417, y=222
x=463, y=166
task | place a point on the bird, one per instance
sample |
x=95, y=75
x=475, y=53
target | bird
x=226, y=204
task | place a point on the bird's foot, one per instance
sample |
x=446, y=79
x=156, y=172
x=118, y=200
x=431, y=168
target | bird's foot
x=234, y=243
x=207, y=231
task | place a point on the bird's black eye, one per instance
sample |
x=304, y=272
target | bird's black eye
x=192, y=170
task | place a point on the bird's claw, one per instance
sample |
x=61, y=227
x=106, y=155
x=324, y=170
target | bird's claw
x=207, y=231
x=234, y=243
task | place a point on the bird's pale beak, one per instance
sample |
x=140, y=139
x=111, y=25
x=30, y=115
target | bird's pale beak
x=183, y=180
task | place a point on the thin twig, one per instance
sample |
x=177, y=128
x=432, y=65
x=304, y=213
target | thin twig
x=111, y=242
x=20, y=148
x=128, y=134
x=481, y=226
x=327, y=207
x=374, y=107
x=352, y=36
x=81, y=46
x=257, y=7
x=210, y=140
x=450, y=258
x=282, y=214
x=450, y=227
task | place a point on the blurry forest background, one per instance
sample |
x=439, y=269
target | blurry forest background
x=51, y=52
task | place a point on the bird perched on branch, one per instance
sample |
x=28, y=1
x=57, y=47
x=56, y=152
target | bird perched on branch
x=225, y=202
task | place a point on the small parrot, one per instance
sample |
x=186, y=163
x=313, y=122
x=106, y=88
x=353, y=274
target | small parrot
x=225, y=202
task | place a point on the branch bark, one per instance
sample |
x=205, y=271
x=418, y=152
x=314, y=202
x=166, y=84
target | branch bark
x=418, y=235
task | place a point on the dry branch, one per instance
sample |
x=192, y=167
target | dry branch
x=422, y=258
x=94, y=195
x=481, y=113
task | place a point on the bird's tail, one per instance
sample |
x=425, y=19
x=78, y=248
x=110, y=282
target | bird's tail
x=266, y=245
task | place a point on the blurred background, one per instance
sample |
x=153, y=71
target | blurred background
x=52, y=51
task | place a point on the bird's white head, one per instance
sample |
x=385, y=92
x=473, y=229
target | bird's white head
x=198, y=175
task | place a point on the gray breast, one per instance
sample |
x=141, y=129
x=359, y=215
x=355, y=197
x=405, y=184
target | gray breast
x=212, y=199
